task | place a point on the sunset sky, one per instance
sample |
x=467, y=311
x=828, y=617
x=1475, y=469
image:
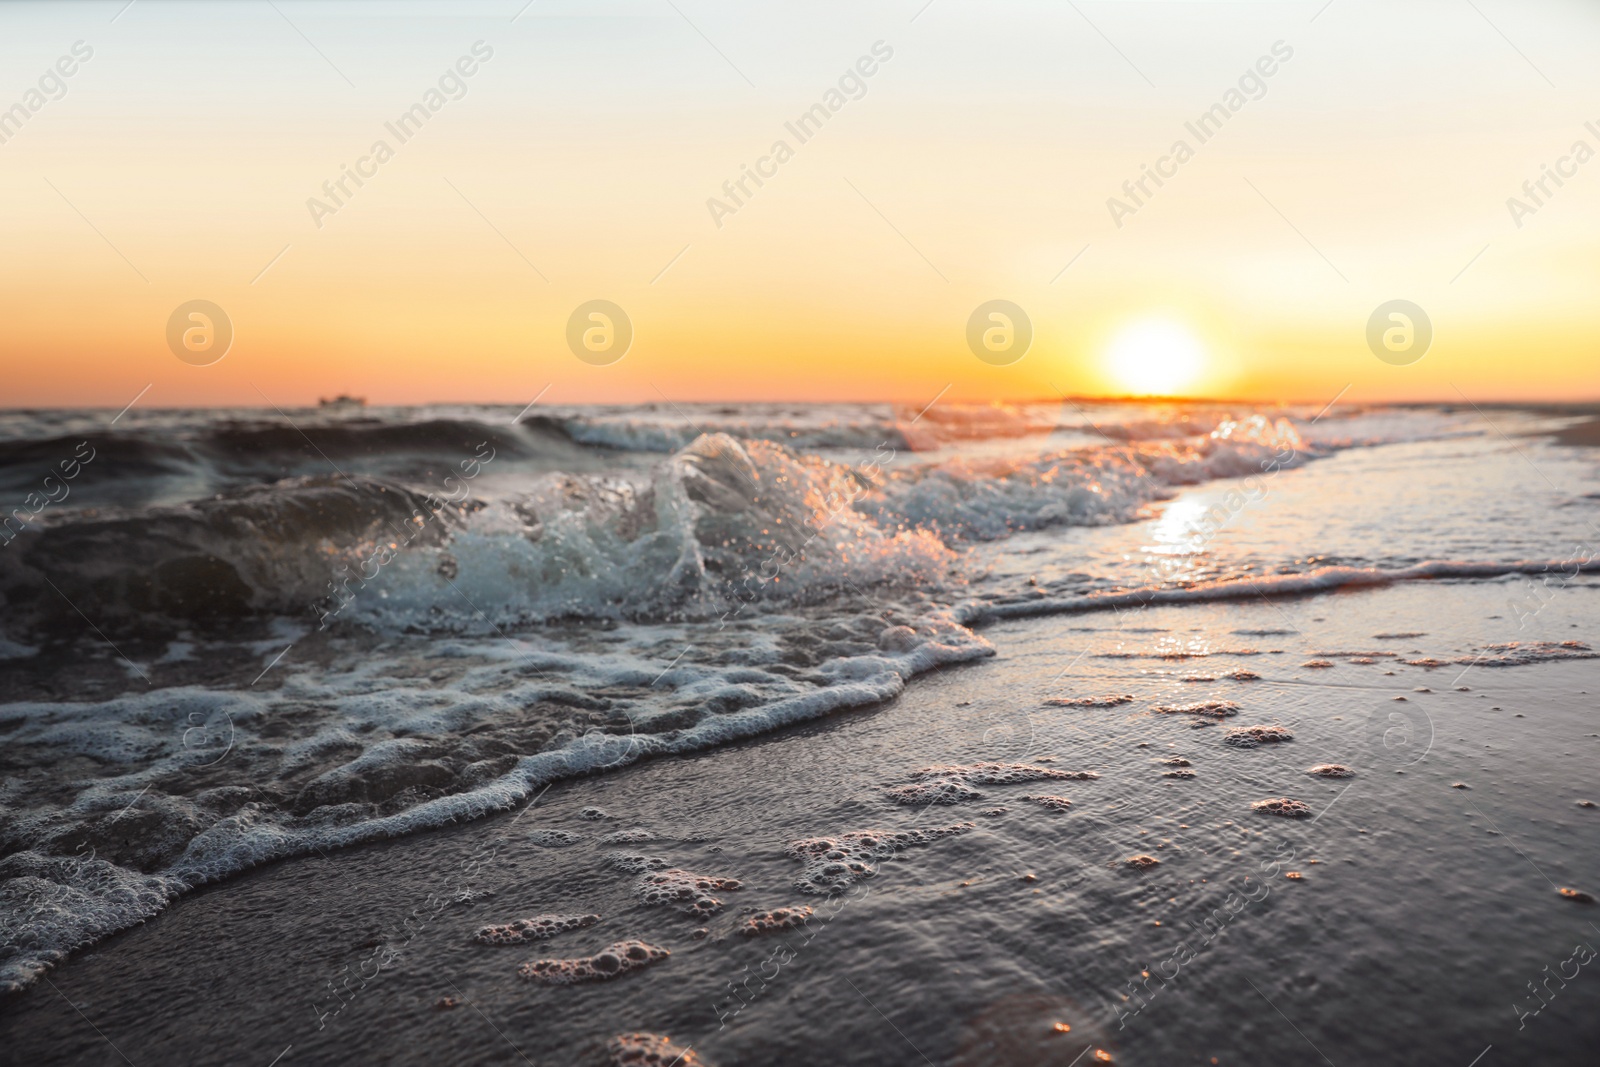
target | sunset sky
x=577, y=160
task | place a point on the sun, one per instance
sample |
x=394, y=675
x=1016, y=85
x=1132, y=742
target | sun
x=1155, y=357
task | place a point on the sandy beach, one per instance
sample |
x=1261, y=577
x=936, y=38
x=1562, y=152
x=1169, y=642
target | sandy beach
x=1580, y=434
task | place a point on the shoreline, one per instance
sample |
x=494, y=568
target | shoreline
x=537, y=773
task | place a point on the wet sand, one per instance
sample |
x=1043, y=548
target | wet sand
x=1583, y=434
x=1421, y=914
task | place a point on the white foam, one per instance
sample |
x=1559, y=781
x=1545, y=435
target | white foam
x=833, y=864
x=1319, y=580
x=720, y=519
x=615, y=959
x=55, y=904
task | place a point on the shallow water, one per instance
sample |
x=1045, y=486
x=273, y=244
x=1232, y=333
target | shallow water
x=1405, y=536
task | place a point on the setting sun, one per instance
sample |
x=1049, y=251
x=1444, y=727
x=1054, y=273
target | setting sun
x=1155, y=357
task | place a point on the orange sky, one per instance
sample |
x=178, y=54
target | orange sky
x=976, y=162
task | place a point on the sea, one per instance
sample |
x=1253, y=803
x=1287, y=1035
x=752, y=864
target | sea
x=800, y=733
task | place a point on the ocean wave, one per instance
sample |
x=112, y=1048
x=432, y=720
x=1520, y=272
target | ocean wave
x=263, y=550
x=720, y=524
x=199, y=785
x=670, y=429
x=725, y=583
x=988, y=499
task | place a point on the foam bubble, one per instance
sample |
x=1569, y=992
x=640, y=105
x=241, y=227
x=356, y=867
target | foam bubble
x=834, y=864
x=553, y=838
x=634, y=862
x=1181, y=772
x=1179, y=654
x=778, y=919
x=1283, y=806
x=615, y=959
x=1141, y=862
x=690, y=893
x=1001, y=773
x=1251, y=736
x=1090, y=702
x=1331, y=770
x=537, y=928
x=951, y=790
x=651, y=1050
x=1522, y=653
x=1054, y=803
x=1214, y=709
x=637, y=835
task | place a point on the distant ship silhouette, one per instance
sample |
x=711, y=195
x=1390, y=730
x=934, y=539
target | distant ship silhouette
x=342, y=402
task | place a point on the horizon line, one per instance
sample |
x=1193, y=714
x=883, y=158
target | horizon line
x=1014, y=401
